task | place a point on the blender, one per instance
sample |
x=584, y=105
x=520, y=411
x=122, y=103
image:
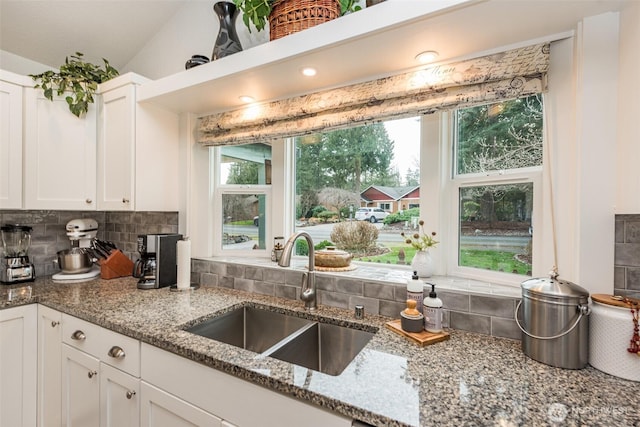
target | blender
x=16, y=266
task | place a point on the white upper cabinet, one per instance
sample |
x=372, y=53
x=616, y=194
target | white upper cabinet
x=11, y=88
x=137, y=151
x=60, y=155
x=119, y=156
x=116, y=149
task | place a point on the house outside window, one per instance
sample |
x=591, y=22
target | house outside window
x=357, y=174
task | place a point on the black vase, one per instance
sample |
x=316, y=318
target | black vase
x=227, y=42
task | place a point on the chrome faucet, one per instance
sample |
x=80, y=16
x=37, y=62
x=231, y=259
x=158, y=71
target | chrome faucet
x=308, y=290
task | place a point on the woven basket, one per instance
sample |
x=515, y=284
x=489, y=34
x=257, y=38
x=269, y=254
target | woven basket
x=290, y=16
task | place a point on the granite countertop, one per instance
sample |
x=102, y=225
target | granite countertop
x=470, y=379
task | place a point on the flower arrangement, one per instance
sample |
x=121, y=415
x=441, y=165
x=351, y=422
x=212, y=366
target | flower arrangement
x=421, y=241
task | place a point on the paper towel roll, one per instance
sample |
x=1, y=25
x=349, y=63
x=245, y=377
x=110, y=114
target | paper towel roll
x=184, y=263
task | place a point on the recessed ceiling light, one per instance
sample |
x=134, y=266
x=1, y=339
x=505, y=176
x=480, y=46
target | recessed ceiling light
x=426, y=56
x=247, y=99
x=309, y=71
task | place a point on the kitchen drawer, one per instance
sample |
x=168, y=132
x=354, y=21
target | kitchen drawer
x=120, y=351
x=110, y=347
x=80, y=334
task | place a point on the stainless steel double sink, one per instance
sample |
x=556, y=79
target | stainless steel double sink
x=320, y=346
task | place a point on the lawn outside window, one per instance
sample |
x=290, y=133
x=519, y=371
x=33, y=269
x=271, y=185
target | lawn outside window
x=495, y=188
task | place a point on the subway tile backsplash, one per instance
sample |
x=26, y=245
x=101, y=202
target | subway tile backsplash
x=627, y=256
x=491, y=315
x=121, y=228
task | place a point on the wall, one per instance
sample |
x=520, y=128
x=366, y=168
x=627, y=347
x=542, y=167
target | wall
x=628, y=149
x=122, y=228
x=192, y=31
x=19, y=65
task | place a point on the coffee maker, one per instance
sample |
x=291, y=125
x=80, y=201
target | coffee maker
x=156, y=267
x=16, y=266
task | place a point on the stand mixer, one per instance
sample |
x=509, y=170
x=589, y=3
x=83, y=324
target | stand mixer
x=16, y=267
x=77, y=263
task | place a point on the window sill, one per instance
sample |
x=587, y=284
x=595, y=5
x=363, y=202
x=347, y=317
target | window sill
x=389, y=275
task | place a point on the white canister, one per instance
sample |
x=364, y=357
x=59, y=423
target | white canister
x=610, y=331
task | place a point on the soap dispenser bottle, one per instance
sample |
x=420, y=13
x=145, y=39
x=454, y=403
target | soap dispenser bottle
x=415, y=291
x=433, y=312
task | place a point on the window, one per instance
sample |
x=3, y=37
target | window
x=370, y=175
x=244, y=191
x=348, y=176
x=496, y=170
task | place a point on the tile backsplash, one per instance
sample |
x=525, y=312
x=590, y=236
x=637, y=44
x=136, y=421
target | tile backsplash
x=627, y=256
x=122, y=228
x=486, y=314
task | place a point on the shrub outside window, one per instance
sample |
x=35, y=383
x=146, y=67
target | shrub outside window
x=353, y=187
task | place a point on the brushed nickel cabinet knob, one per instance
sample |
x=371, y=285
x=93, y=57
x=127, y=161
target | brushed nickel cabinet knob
x=116, y=352
x=78, y=336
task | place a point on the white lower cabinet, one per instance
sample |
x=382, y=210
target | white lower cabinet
x=93, y=377
x=49, y=367
x=119, y=398
x=18, y=366
x=161, y=409
x=101, y=369
x=80, y=388
x=237, y=402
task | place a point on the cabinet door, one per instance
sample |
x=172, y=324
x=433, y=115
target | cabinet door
x=18, y=379
x=116, y=145
x=10, y=146
x=49, y=367
x=60, y=155
x=161, y=409
x=80, y=388
x=119, y=398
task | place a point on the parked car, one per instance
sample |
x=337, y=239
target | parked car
x=371, y=214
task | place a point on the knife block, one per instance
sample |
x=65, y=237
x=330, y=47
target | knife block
x=116, y=265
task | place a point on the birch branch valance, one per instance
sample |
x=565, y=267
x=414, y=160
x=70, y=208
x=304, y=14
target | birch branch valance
x=507, y=75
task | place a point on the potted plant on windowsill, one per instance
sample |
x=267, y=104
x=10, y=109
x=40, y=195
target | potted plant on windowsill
x=259, y=13
x=78, y=79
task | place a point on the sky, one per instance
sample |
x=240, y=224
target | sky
x=406, y=135
x=406, y=154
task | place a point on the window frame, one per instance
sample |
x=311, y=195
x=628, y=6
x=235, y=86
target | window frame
x=219, y=190
x=451, y=191
x=437, y=166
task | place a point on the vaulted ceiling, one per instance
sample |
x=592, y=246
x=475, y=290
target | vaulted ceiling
x=48, y=31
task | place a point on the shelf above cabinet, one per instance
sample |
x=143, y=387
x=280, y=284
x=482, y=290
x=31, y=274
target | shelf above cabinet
x=378, y=41
x=340, y=50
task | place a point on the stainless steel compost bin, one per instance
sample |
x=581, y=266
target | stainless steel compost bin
x=554, y=322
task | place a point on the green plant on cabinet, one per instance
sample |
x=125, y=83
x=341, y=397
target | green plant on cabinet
x=78, y=78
